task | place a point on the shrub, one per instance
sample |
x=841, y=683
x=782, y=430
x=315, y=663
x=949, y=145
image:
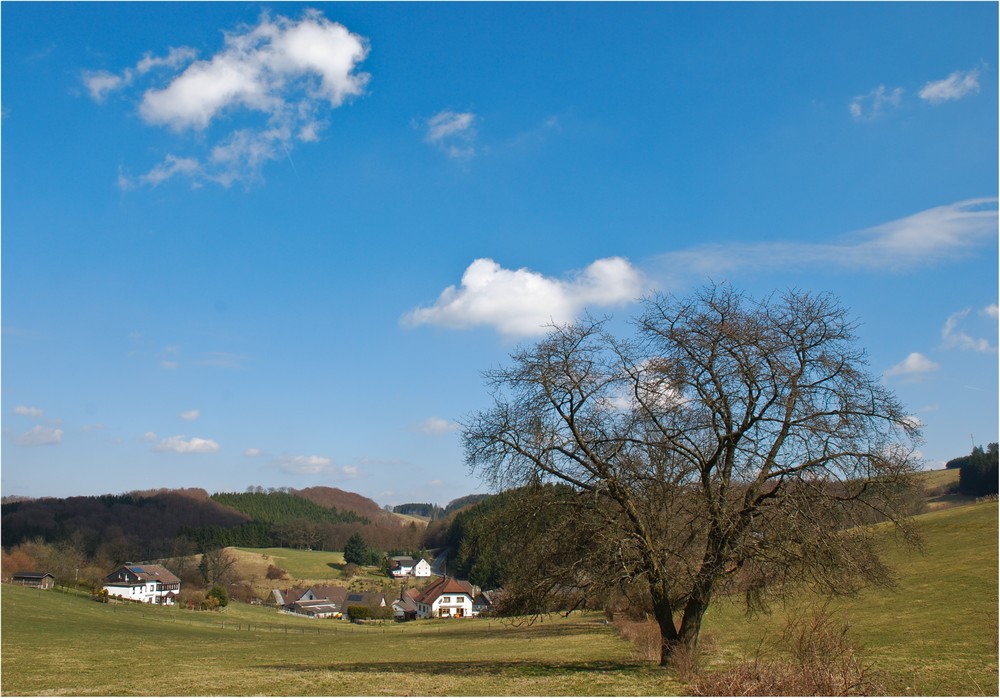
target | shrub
x=359, y=612
x=218, y=595
x=823, y=661
x=275, y=572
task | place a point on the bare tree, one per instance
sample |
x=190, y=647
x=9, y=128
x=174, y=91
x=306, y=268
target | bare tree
x=218, y=566
x=726, y=447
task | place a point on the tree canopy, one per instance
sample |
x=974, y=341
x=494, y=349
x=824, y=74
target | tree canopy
x=722, y=448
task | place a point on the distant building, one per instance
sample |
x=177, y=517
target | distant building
x=39, y=580
x=404, y=566
x=143, y=583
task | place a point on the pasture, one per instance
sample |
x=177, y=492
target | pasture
x=934, y=634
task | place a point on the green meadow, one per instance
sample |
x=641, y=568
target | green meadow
x=934, y=634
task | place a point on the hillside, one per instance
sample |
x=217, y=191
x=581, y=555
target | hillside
x=935, y=634
x=157, y=523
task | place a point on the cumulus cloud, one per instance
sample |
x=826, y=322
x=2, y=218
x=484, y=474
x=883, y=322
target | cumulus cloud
x=924, y=238
x=955, y=337
x=304, y=465
x=956, y=86
x=282, y=75
x=28, y=411
x=40, y=436
x=874, y=104
x=178, y=444
x=435, y=426
x=190, y=415
x=913, y=367
x=453, y=132
x=523, y=302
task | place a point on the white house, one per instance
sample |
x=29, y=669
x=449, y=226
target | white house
x=143, y=583
x=401, y=566
x=446, y=598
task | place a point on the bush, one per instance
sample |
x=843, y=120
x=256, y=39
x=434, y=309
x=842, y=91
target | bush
x=217, y=595
x=275, y=572
x=823, y=662
x=359, y=612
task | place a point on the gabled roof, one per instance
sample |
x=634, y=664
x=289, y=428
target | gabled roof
x=144, y=573
x=334, y=594
x=33, y=575
x=445, y=585
x=405, y=604
x=371, y=600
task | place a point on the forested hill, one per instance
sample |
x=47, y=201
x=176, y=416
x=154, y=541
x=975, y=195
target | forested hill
x=283, y=507
x=156, y=523
x=146, y=520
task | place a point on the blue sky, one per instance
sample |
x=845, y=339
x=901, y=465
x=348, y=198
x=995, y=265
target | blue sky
x=277, y=244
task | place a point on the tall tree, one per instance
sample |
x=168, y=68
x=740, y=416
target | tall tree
x=356, y=550
x=725, y=447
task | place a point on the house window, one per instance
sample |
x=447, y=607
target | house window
x=445, y=599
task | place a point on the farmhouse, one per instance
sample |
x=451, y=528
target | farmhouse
x=39, y=580
x=446, y=598
x=143, y=583
x=316, y=602
x=401, y=566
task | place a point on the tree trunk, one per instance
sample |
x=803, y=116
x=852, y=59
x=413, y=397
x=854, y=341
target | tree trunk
x=664, y=614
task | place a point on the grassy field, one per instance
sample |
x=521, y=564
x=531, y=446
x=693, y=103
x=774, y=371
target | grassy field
x=303, y=568
x=56, y=643
x=935, y=634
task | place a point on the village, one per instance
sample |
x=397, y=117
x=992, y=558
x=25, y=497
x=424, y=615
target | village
x=422, y=593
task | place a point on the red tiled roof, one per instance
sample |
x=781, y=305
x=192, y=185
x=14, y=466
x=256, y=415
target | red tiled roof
x=445, y=585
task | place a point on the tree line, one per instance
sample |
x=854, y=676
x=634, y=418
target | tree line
x=978, y=471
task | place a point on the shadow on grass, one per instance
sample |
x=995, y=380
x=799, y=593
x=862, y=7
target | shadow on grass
x=490, y=667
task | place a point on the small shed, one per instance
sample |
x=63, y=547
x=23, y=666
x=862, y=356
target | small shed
x=39, y=580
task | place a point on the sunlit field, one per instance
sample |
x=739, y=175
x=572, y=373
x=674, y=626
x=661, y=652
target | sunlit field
x=935, y=634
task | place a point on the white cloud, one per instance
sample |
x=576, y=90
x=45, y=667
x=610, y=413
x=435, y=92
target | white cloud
x=453, y=132
x=100, y=83
x=40, y=436
x=28, y=411
x=926, y=237
x=190, y=415
x=954, y=337
x=176, y=57
x=914, y=366
x=990, y=311
x=284, y=74
x=304, y=465
x=252, y=452
x=169, y=365
x=178, y=444
x=523, y=302
x=957, y=85
x=436, y=426
x=874, y=104
x=350, y=471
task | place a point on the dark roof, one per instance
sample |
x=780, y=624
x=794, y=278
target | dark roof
x=34, y=575
x=146, y=573
x=334, y=594
x=371, y=600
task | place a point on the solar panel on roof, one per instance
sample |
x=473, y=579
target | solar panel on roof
x=137, y=570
